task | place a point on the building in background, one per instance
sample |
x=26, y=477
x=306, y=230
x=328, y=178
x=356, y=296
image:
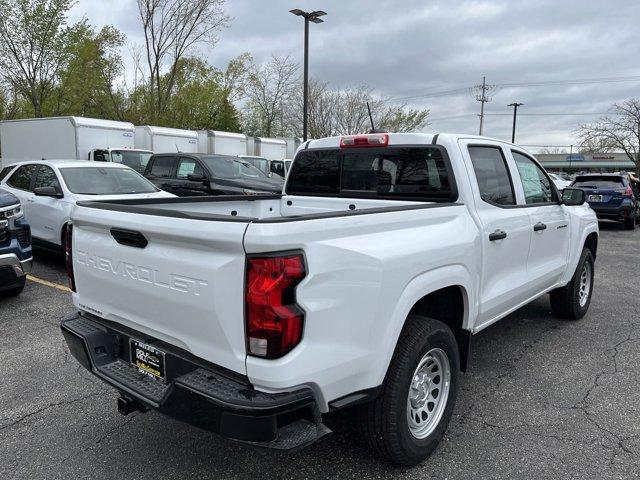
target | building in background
x=586, y=162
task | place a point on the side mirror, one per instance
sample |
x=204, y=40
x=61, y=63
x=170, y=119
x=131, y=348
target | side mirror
x=196, y=178
x=573, y=196
x=48, y=192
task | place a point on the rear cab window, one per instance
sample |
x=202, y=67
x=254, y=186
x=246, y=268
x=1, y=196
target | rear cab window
x=403, y=173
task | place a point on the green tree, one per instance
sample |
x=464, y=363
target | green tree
x=33, y=39
x=199, y=98
x=87, y=81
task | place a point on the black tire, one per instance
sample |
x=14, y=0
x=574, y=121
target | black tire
x=565, y=301
x=13, y=292
x=630, y=223
x=384, y=421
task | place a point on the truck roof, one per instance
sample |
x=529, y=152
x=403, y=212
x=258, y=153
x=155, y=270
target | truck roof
x=402, y=139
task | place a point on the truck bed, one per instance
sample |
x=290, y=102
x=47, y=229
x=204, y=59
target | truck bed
x=174, y=268
x=258, y=208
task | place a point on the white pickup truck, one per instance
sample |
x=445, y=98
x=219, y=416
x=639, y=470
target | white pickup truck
x=360, y=286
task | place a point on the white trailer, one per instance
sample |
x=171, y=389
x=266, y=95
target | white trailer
x=166, y=140
x=62, y=138
x=292, y=146
x=222, y=143
x=270, y=148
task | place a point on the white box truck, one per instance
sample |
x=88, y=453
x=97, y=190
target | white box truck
x=222, y=143
x=69, y=138
x=166, y=140
x=270, y=148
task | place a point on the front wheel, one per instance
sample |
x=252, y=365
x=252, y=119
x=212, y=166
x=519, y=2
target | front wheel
x=409, y=418
x=572, y=301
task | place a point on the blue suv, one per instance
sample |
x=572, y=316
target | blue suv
x=15, y=246
x=611, y=196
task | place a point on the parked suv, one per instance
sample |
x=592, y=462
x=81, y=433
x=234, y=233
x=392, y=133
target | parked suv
x=15, y=246
x=196, y=174
x=611, y=196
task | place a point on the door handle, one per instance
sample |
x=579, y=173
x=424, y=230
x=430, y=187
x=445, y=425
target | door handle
x=539, y=226
x=497, y=235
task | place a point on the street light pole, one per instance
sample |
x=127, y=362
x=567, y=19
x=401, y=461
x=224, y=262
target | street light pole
x=515, y=106
x=315, y=18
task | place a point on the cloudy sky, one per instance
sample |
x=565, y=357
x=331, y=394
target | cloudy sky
x=431, y=53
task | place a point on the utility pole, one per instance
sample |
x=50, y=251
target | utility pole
x=515, y=106
x=482, y=96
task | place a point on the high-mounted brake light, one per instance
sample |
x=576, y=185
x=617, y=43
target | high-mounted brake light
x=273, y=319
x=68, y=256
x=370, y=140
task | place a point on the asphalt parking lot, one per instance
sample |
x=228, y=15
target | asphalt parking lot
x=543, y=399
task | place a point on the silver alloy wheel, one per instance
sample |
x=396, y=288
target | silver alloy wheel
x=585, y=284
x=428, y=393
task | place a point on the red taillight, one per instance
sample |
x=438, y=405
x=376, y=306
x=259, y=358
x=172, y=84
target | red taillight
x=68, y=256
x=371, y=140
x=628, y=192
x=273, y=319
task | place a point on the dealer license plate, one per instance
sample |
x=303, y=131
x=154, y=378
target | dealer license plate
x=147, y=359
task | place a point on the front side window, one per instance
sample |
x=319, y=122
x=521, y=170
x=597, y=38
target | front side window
x=46, y=177
x=536, y=185
x=163, y=167
x=188, y=166
x=105, y=181
x=492, y=175
x=21, y=178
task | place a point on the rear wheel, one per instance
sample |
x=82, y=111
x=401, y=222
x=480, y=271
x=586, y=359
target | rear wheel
x=409, y=418
x=572, y=301
x=630, y=223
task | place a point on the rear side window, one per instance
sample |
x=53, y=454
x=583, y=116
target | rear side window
x=163, y=167
x=4, y=172
x=492, y=175
x=21, y=178
x=416, y=173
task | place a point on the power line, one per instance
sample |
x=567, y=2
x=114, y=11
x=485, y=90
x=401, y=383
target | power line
x=542, y=83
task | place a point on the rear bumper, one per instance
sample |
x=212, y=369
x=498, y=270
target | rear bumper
x=195, y=392
x=613, y=213
x=13, y=271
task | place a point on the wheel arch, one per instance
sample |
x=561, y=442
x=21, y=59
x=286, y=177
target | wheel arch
x=446, y=292
x=591, y=242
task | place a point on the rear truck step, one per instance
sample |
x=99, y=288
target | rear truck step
x=194, y=391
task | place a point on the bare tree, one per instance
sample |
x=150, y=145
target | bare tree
x=620, y=131
x=32, y=46
x=340, y=112
x=269, y=87
x=172, y=28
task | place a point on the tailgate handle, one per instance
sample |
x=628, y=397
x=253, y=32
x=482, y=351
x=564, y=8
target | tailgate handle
x=129, y=238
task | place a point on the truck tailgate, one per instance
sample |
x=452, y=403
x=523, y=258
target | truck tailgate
x=184, y=287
